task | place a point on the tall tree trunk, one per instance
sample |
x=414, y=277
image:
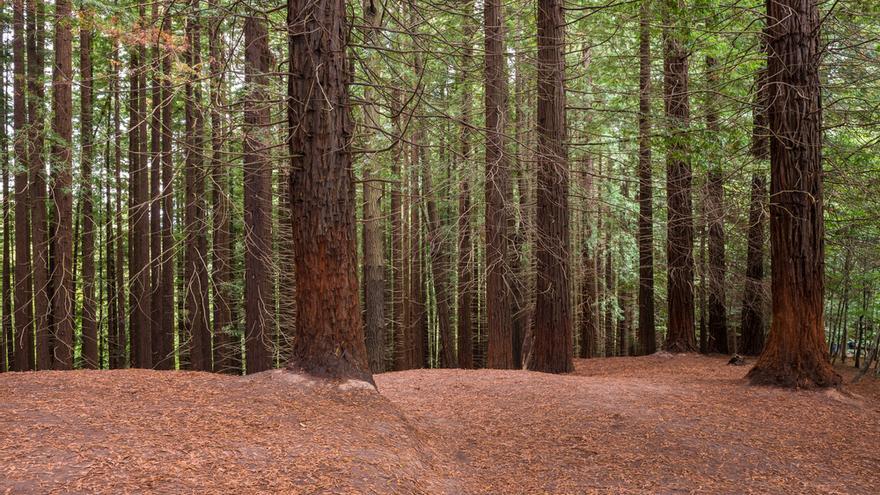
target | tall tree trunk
x=6, y=332
x=168, y=246
x=399, y=321
x=258, y=200
x=715, y=220
x=466, y=256
x=37, y=187
x=551, y=344
x=373, y=229
x=24, y=330
x=62, y=182
x=752, y=325
x=440, y=274
x=609, y=295
x=197, y=318
x=91, y=358
x=222, y=242
x=647, y=328
x=795, y=354
x=498, y=192
x=330, y=338
x=158, y=353
x=589, y=323
x=680, y=226
x=418, y=320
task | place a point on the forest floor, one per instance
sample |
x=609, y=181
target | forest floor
x=657, y=424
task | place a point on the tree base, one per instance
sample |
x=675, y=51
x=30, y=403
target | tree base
x=331, y=368
x=821, y=375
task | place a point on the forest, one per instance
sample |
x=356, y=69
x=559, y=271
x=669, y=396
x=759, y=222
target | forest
x=403, y=240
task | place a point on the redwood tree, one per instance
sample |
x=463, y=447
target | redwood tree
x=89, y=310
x=330, y=337
x=257, y=199
x=551, y=347
x=647, y=330
x=795, y=354
x=498, y=192
x=680, y=222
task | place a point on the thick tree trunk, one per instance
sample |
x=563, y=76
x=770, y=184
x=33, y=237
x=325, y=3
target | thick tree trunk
x=6, y=332
x=139, y=212
x=37, y=188
x=399, y=318
x=24, y=330
x=158, y=354
x=498, y=192
x=551, y=345
x=167, y=199
x=257, y=200
x=197, y=315
x=589, y=322
x=330, y=337
x=221, y=254
x=647, y=327
x=466, y=280
x=795, y=354
x=715, y=220
x=91, y=358
x=680, y=223
x=752, y=326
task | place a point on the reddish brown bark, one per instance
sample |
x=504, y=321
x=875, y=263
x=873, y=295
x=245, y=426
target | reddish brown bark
x=168, y=247
x=221, y=247
x=89, y=310
x=37, y=188
x=6, y=331
x=498, y=192
x=795, y=354
x=373, y=229
x=551, y=343
x=159, y=354
x=195, y=270
x=257, y=200
x=330, y=337
x=399, y=291
x=24, y=336
x=466, y=256
x=647, y=328
x=680, y=223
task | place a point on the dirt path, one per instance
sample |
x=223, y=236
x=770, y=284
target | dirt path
x=683, y=424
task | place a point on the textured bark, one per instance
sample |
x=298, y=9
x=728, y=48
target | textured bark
x=466, y=280
x=519, y=262
x=221, y=247
x=609, y=296
x=37, y=188
x=195, y=270
x=680, y=223
x=159, y=354
x=139, y=212
x=257, y=200
x=753, y=293
x=116, y=318
x=715, y=220
x=418, y=316
x=551, y=343
x=795, y=354
x=647, y=327
x=589, y=322
x=24, y=330
x=330, y=337
x=440, y=274
x=91, y=358
x=167, y=198
x=399, y=319
x=373, y=230
x=498, y=192
x=6, y=332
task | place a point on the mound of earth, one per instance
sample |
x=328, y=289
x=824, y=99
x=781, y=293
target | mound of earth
x=657, y=424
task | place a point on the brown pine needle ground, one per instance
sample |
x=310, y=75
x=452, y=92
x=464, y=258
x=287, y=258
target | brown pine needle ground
x=659, y=424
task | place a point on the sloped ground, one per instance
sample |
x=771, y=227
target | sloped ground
x=658, y=424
